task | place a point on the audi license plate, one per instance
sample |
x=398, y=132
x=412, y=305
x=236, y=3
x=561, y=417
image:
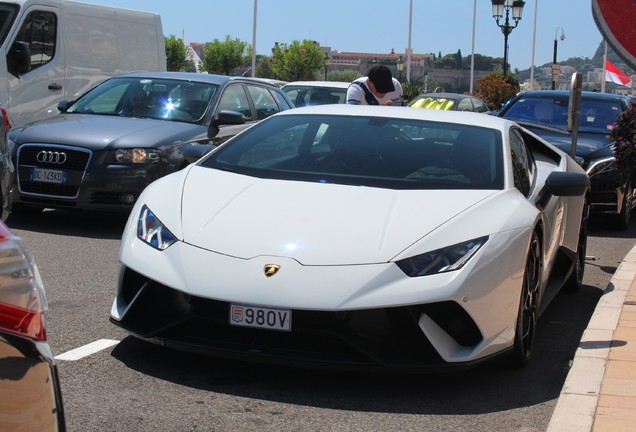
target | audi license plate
x=47, y=175
x=265, y=318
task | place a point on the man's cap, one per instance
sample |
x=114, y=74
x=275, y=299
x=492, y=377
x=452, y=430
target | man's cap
x=381, y=78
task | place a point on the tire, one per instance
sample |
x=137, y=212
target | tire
x=625, y=216
x=575, y=280
x=528, y=304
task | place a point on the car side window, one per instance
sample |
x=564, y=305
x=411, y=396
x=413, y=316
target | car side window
x=465, y=105
x=282, y=103
x=263, y=102
x=235, y=99
x=479, y=106
x=523, y=166
x=39, y=31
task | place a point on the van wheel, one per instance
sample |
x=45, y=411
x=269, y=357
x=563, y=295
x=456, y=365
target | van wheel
x=528, y=304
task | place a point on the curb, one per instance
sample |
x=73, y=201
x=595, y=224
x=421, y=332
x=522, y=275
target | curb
x=576, y=408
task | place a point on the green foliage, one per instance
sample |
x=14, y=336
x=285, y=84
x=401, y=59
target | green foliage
x=298, y=61
x=264, y=67
x=624, y=133
x=344, y=76
x=412, y=89
x=494, y=89
x=223, y=57
x=482, y=62
x=176, y=55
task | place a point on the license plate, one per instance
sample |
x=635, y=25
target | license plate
x=47, y=175
x=265, y=318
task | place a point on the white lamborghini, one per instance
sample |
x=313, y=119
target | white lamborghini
x=357, y=237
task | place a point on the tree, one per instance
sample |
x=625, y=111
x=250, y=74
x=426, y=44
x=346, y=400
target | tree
x=412, y=89
x=344, y=75
x=298, y=61
x=176, y=54
x=264, y=67
x=224, y=57
x=494, y=89
x=458, y=59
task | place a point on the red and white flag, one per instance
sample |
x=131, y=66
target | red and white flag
x=614, y=74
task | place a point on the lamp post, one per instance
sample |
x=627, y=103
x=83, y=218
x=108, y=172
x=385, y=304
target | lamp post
x=555, y=69
x=326, y=64
x=400, y=68
x=501, y=9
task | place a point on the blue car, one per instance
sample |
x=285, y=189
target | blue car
x=545, y=112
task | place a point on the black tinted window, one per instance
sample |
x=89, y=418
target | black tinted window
x=382, y=152
x=39, y=31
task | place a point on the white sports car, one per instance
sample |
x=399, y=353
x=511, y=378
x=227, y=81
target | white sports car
x=357, y=237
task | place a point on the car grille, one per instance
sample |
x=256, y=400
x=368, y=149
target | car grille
x=74, y=167
x=381, y=338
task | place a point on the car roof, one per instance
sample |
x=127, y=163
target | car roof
x=588, y=95
x=331, y=84
x=403, y=112
x=192, y=76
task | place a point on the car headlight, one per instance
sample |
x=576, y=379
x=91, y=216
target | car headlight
x=151, y=231
x=134, y=156
x=441, y=260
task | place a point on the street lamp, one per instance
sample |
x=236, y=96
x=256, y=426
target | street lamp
x=555, y=69
x=501, y=8
x=326, y=64
x=400, y=68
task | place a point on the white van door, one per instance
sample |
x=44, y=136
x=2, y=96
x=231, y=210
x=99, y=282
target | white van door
x=35, y=89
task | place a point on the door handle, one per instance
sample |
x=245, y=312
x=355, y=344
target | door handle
x=55, y=86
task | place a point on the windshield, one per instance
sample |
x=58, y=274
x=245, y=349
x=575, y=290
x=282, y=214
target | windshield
x=166, y=99
x=7, y=16
x=597, y=116
x=366, y=151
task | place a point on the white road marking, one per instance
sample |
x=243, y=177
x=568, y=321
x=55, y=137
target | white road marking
x=86, y=350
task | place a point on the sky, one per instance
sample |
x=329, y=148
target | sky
x=378, y=26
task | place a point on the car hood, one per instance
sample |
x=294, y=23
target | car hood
x=99, y=132
x=313, y=223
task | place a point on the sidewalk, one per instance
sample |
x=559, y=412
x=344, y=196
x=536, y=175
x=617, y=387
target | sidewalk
x=599, y=394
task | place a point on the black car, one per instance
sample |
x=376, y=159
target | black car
x=545, y=112
x=31, y=397
x=449, y=102
x=110, y=143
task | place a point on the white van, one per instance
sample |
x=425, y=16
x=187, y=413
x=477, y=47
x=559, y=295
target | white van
x=51, y=50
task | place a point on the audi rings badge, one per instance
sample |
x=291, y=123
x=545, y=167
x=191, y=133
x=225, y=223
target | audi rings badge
x=51, y=157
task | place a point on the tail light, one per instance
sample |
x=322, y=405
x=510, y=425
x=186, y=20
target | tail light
x=22, y=298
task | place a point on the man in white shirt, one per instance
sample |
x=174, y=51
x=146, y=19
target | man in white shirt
x=377, y=88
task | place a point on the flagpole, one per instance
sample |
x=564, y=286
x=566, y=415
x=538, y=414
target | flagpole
x=604, y=69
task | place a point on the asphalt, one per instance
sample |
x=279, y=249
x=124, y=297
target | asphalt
x=599, y=393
